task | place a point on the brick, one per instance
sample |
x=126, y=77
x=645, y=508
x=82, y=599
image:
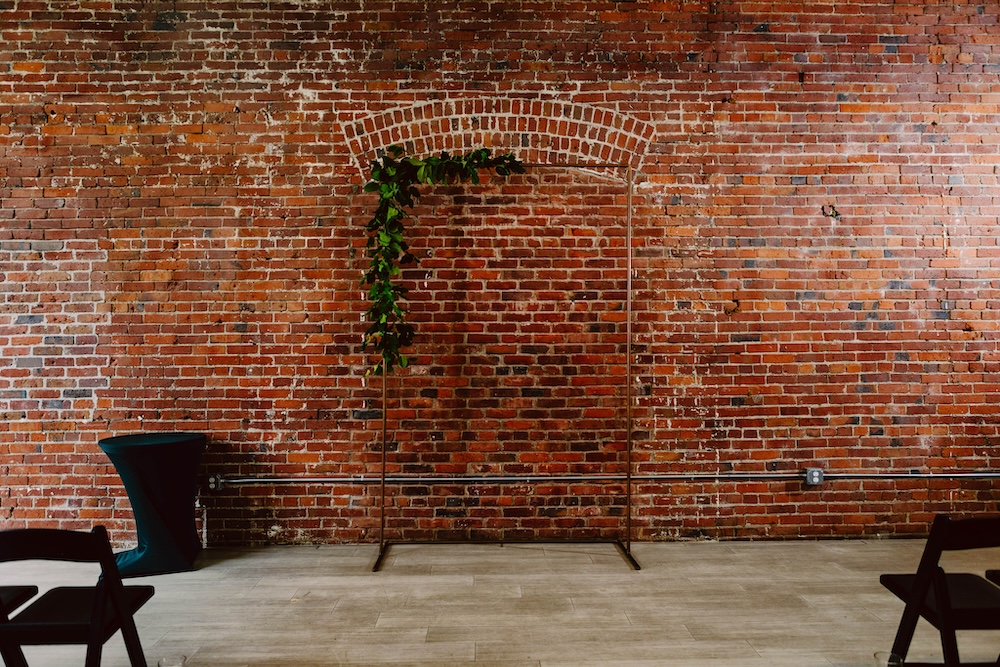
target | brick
x=32, y=67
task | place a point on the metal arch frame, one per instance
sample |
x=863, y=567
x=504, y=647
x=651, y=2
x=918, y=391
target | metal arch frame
x=624, y=547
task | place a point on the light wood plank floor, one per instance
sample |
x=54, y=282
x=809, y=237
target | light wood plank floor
x=693, y=604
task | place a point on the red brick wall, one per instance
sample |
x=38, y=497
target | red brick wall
x=816, y=266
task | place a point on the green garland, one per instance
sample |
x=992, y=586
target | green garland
x=394, y=178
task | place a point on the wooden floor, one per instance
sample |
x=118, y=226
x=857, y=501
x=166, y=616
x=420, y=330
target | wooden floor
x=693, y=604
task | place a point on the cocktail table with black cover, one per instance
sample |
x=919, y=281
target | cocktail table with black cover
x=159, y=471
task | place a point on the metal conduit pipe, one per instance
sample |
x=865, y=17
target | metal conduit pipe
x=217, y=482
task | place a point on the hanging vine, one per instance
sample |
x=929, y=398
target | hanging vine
x=394, y=178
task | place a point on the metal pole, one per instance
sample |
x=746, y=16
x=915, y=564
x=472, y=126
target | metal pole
x=385, y=444
x=217, y=482
x=628, y=368
x=576, y=165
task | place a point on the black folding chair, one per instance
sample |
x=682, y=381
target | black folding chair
x=948, y=601
x=70, y=615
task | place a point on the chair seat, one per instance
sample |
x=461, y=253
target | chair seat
x=12, y=597
x=975, y=601
x=71, y=614
x=62, y=615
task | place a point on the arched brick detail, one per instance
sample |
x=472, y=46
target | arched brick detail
x=537, y=131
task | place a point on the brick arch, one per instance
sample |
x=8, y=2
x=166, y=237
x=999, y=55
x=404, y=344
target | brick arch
x=537, y=131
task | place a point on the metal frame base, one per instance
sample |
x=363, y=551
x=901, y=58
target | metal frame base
x=623, y=549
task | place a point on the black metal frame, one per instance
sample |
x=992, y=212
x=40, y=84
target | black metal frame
x=624, y=547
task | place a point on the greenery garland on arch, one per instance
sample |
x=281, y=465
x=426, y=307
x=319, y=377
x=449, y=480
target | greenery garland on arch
x=394, y=178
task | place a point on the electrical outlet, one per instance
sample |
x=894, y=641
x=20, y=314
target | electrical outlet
x=814, y=476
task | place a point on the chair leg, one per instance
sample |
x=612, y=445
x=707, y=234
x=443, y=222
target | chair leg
x=12, y=655
x=94, y=654
x=131, y=637
x=949, y=646
x=904, y=634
